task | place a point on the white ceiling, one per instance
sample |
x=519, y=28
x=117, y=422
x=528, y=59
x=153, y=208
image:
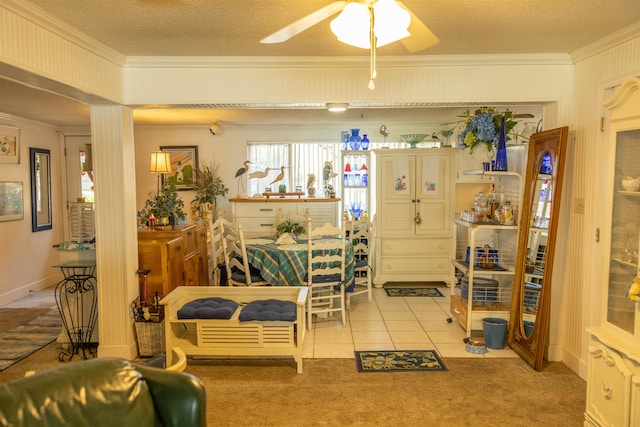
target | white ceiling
x=234, y=28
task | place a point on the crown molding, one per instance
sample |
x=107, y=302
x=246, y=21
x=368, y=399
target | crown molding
x=345, y=61
x=612, y=40
x=42, y=19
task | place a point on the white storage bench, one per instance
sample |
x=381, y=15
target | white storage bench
x=231, y=337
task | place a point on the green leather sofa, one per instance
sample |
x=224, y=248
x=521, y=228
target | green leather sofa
x=103, y=392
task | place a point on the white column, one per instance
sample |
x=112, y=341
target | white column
x=116, y=232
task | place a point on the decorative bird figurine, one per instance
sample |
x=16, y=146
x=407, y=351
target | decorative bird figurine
x=239, y=173
x=280, y=176
x=244, y=169
x=327, y=171
x=260, y=174
x=311, y=189
x=383, y=132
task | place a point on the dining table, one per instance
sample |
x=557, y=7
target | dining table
x=286, y=264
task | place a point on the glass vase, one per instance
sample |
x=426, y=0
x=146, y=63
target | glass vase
x=501, y=152
x=354, y=139
x=364, y=144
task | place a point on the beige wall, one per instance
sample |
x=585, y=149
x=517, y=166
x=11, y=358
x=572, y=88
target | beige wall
x=26, y=258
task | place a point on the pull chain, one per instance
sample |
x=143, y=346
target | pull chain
x=372, y=46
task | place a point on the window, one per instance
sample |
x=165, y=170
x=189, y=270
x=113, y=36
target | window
x=299, y=161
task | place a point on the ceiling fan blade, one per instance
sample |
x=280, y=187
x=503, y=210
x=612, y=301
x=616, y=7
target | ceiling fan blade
x=302, y=24
x=421, y=37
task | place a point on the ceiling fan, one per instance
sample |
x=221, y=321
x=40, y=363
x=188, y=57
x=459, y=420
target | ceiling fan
x=418, y=36
x=365, y=24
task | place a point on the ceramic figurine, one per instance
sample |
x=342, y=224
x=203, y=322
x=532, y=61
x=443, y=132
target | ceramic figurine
x=311, y=181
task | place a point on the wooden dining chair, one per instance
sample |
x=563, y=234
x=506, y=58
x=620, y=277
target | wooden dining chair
x=216, y=251
x=361, y=234
x=239, y=271
x=325, y=271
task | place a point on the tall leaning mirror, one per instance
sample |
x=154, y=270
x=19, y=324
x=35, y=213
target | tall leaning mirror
x=529, y=323
x=40, y=189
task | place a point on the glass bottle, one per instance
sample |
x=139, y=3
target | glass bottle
x=507, y=214
x=356, y=176
x=347, y=172
x=345, y=140
x=364, y=175
x=545, y=167
x=364, y=144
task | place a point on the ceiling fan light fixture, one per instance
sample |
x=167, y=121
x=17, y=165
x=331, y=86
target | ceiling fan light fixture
x=352, y=25
x=391, y=22
x=337, y=107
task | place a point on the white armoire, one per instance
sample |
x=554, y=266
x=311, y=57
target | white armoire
x=413, y=203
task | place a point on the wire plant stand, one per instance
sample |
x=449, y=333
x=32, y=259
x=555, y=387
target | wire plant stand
x=77, y=301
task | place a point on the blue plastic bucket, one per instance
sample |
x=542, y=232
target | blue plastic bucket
x=495, y=332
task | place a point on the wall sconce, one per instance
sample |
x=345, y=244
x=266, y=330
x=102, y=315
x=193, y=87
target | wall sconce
x=337, y=106
x=160, y=163
x=215, y=128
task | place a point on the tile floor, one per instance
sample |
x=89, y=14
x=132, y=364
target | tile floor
x=392, y=323
x=387, y=323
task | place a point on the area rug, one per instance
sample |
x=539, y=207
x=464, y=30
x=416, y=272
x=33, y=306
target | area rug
x=413, y=292
x=23, y=340
x=407, y=360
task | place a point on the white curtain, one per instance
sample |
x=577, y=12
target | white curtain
x=299, y=159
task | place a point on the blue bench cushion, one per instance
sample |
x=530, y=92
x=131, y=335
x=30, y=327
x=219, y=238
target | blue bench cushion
x=271, y=309
x=208, y=308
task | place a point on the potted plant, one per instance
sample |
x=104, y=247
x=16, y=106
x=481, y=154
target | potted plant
x=290, y=226
x=208, y=186
x=165, y=207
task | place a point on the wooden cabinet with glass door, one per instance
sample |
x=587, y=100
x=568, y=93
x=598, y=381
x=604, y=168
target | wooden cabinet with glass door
x=613, y=373
x=356, y=187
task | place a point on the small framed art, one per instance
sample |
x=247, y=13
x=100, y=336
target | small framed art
x=184, y=161
x=9, y=145
x=11, y=201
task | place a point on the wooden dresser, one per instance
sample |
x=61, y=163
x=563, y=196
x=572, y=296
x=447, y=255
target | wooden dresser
x=174, y=256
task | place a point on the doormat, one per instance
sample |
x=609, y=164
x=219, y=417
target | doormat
x=408, y=360
x=413, y=292
x=31, y=336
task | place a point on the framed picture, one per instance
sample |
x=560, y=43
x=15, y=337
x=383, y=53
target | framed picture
x=11, y=203
x=184, y=161
x=9, y=145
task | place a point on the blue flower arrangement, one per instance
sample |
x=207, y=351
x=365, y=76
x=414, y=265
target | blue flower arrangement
x=484, y=127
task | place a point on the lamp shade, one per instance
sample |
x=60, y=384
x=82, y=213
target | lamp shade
x=353, y=25
x=160, y=162
x=391, y=22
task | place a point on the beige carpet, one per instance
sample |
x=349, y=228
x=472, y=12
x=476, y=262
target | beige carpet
x=331, y=392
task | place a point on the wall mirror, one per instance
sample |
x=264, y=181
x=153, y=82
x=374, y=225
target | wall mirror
x=40, y=189
x=529, y=323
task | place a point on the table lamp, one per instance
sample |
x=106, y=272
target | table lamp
x=160, y=163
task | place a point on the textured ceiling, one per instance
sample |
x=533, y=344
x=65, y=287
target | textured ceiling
x=235, y=27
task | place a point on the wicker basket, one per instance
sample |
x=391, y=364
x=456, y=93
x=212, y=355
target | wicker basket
x=150, y=336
